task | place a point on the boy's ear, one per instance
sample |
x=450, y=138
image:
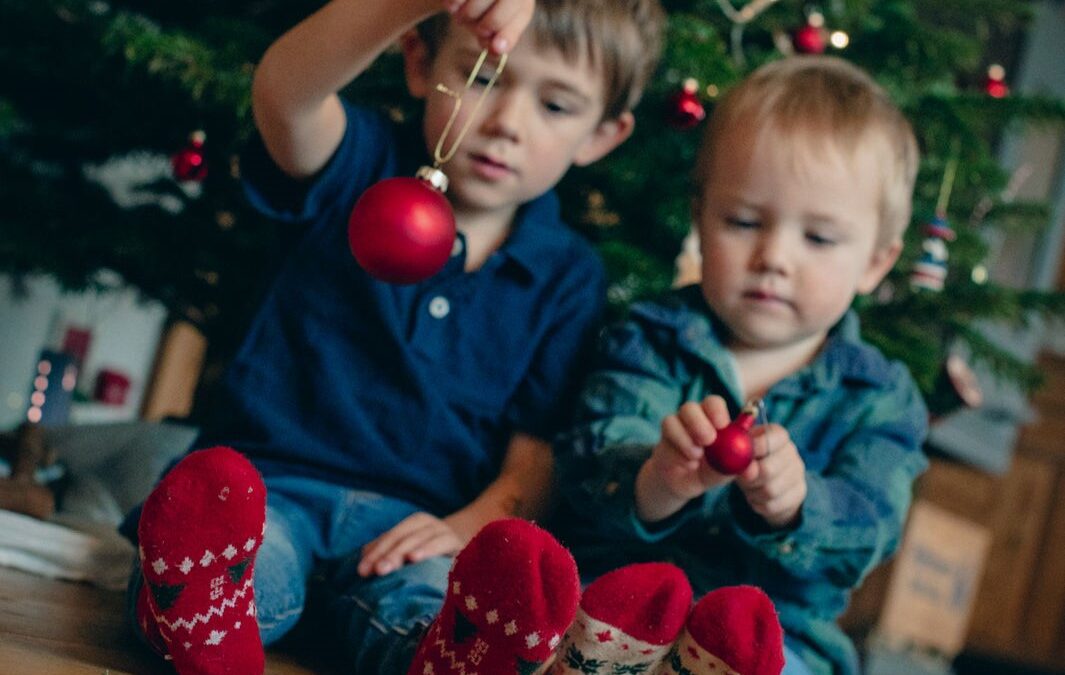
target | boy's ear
x=416, y=63
x=881, y=262
x=608, y=135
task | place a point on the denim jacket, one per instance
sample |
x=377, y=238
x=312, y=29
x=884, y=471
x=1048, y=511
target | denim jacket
x=857, y=419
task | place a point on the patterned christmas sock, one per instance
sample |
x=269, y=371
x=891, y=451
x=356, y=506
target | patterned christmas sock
x=732, y=631
x=199, y=531
x=627, y=621
x=512, y=592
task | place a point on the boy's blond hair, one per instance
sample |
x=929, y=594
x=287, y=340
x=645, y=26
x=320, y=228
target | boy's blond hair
x=808, y=102
x=621, y=38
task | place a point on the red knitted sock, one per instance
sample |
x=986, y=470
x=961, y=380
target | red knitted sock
x=199, y=531
x=512, y=593
x=627, y=621
x=731, y=630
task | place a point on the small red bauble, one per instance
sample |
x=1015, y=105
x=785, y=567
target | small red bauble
x=684, y=110
x=188, y=163
x=809, y=39
x=402, y=229
x=995, y=83
x=733, y=450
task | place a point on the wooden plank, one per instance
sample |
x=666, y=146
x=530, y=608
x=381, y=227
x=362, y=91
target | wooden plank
x=1016, y=519
x=49, y=626
x=1044, y=624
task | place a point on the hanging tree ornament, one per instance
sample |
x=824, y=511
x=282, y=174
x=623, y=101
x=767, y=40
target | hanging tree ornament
x=402, y=229
x=733, y=449
x=684, y=110
x=811, y=37
x=930, y=270
x=740, y=18
x=189, y=163
x=995, y=82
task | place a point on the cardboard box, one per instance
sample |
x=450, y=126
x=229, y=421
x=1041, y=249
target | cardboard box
x=933, y=587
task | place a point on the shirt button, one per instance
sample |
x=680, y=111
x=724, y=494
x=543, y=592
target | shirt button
x=787, y=547
x=456, y=248
x=439, y=307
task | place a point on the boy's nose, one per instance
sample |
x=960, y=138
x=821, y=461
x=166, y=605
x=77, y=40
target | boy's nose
x=503, y=117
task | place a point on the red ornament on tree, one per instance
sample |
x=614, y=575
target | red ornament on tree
x=733, y=449
x=402, y=229
x=995, y=82
x=684, y=110
x=811, y=38
x=189, y=163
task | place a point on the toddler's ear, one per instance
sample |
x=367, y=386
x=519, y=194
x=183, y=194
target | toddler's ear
x=609, y=134
x=880, y=263
x=416, y=63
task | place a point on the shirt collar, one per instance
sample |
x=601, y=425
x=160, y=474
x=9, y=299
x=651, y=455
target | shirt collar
x=845, y=357
x=534, y=238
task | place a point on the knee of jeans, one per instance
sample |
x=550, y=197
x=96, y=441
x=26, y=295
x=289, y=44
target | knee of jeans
x=400, y=601
x=280, y=588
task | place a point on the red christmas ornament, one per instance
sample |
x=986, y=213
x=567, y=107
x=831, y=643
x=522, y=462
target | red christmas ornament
x=733, y=450
x=189, y=163
x=684, y=110
x=995, y=83
x=402, y=229
x=809, y=39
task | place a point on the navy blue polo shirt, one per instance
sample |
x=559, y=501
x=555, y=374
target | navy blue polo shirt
x=411, y=391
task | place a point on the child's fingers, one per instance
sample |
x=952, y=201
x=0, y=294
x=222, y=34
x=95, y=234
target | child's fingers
x=439, y=542
x=769, y=439
x=716, y=410
x=676, y=436
x=503, y=25
x=693, y=417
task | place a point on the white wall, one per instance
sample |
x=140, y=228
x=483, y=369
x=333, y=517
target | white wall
x=125, y=333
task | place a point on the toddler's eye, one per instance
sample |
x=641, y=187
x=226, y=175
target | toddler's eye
x=741, y=223
x=482, y=80
x=820, y=240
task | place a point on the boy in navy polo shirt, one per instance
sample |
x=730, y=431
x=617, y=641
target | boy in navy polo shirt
x=390, y=423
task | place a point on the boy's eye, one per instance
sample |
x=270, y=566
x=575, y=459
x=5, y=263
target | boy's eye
x=556, y=108
x=482, y=80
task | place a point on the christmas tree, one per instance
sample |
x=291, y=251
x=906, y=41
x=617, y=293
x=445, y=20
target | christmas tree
x=121, y=124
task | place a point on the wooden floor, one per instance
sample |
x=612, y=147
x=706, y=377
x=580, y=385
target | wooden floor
x=53, y=627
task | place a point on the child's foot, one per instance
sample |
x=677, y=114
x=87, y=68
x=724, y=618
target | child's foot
x=627, y=621
x=199, y=532
x=731, y=630
x=512, y=593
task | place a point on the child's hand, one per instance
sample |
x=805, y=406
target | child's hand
x=415, y=538
x=775, y=483
x=497, y=23
x=676, y=471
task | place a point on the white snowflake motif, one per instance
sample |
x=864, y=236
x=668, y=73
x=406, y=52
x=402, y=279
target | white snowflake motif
x=491, y=617
x=236, y=626
x=224, y=494
x=230, y=551
x=428, y=669
x=216, y=637
x=159, y=566
x=510, y=628
x=532, y=639
x=471, y=603
x=456, y=587
x=249, y=545
x=187, y=645
x=216, y=587
x=186, y=565
x=207, y=558
x=553, y=642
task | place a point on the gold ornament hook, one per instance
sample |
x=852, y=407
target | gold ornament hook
x=440, y=156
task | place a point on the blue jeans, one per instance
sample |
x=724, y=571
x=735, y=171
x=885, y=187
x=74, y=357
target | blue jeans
x=316, y=527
